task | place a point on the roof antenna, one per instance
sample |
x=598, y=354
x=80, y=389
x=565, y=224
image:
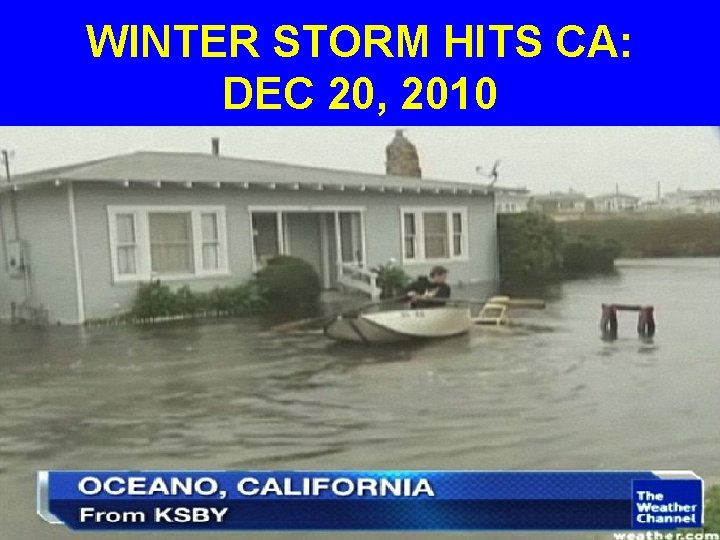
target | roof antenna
x=494, y=173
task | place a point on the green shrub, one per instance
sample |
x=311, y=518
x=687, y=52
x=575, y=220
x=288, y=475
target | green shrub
x=155, y=300
x=529, y=246
x=712, y=510
x=392, y=279
x=187, y=302
x=534, y=247
x=220, y=300
x=289, y=284
x=670, y=236
x=246, y=298
x=588, y=255
x=712, y=514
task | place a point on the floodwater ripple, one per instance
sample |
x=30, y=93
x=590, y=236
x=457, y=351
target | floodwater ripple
x=546, y=394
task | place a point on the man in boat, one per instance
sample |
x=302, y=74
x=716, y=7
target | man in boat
x=429, y=289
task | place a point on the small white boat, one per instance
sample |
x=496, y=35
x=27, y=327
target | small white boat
x=400, y=325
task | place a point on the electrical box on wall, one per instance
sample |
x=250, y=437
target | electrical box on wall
x=16, y=258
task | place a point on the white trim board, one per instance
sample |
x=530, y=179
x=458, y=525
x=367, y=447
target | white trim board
x=79, y=291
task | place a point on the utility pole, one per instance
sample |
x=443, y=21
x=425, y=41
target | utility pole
x=3, y=238
x=6, y=156
x=6, y=161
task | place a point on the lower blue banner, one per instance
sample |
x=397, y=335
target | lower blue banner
x=371, y=500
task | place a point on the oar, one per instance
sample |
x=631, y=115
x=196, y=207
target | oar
x=300, y=323
x=529, y=303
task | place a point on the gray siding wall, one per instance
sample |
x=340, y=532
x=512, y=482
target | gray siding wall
x=103, y=298
x=44, y=226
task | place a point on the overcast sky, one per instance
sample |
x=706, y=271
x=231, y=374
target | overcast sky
x=591, y=160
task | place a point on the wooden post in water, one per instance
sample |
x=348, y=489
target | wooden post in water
x=609, y=320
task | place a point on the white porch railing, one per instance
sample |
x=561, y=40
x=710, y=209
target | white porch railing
x=355, y=277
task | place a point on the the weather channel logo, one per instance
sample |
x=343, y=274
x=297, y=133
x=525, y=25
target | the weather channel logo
x=663, y=504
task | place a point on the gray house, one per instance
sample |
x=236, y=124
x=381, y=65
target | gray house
x=77, y=240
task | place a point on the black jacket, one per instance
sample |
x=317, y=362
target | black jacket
x=422, y=286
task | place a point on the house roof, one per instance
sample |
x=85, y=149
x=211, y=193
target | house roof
x=615, y=195
x=693, y=193
x=561, y=196
x=196, y=169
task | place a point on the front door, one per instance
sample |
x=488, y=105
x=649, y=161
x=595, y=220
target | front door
x=326, y=240
x=267, y=237
x=304, y=239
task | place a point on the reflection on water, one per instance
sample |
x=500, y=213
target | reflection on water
x=548, y=393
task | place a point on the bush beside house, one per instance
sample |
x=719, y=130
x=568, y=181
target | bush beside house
x=391, y=279
x=290, y=285
x=530, y=247
x=156, y=300
x=534, y=247
x=286, y=284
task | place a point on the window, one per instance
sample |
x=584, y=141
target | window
x=126, y=250
x=171, y=244
x=410, y=236
x=457, y=234
x=434, y=234
x=210, y=241
x=167, y=242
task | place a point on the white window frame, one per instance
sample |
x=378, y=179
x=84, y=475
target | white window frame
x=121, y=245
x=143, y=258
x=217, y=241
x=420, y=233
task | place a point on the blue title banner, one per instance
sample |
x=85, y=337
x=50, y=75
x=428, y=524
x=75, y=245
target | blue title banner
x=370, y=500
x=379, y=63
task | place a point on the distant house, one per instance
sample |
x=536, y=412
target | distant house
x=512, y=201
x=701, y=201
x=567, y=204
x=610, y=203
x=77, y=240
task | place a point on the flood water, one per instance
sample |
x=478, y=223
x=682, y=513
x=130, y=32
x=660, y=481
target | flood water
x=228, y=395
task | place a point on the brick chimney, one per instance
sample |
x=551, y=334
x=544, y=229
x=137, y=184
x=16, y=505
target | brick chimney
x=402, y=157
